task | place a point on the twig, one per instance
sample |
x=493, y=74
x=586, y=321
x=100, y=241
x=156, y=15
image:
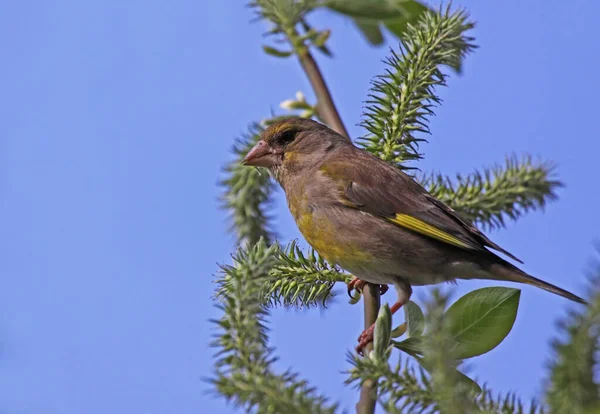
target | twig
x=368, y=392
x=329, y=113
x=325, y=105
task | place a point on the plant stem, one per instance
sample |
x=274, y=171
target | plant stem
x=329, y=113
x=325, y=105
x=368, y=392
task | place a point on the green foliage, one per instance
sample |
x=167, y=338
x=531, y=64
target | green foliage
x=244, y=362
x=247, y=193
x=300, y=104
x=270, y=50
x=289, y=25
x=265, y=274
x=488, y=403
x=473, y=325
x=293, y=279
x=572, y=385
x=488, y=197
x=283, y=14
x=436, y=386
x=301, y=280
x=403, y=98
x=370, y=16
x=289, y=16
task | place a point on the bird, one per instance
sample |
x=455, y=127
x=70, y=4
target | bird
x=370, y=218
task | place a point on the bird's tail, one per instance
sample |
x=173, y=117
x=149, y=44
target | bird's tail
x=506, y=271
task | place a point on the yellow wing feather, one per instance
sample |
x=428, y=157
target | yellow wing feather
x=421, y=227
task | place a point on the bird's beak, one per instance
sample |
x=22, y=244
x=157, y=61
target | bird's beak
x=259, y=155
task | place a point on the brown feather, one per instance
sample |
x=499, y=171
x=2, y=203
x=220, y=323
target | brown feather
x=374, y=186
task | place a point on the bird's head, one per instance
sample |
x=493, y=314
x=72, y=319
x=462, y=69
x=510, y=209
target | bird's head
x=294, y=140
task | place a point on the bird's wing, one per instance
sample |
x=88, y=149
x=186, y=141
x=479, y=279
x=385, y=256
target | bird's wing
x=371, y=185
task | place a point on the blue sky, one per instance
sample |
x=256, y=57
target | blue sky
x=116, y=120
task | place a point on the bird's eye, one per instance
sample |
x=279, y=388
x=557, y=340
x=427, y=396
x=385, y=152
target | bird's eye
x=286, y=137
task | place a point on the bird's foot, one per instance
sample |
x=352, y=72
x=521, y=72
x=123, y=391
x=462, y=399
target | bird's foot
x=367, y=336
x=358, y=285
x=365, y=339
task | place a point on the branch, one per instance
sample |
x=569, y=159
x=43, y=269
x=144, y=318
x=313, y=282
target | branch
x=244, y=361
x=247, y=193
x=402, y=99
x=285, y=15
x=489, y=196
x=325, y=105
x=328, y=112
x=399, y=389
x=368, y=392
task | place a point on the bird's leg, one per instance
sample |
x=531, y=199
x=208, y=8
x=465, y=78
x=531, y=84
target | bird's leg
x=404, y=292
x=357, y=284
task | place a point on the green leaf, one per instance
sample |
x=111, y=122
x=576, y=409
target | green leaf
x=325, y=50
x=398, y=330
x=370, y=30
x=415, y=320
x=383, y=328
x=276, y=52
x=369, y=15
x=463, y=379
x=468, y=382
x=412, y=346
x=373, y=9
x=412, y=12
x=321, y=38
x=481, y=319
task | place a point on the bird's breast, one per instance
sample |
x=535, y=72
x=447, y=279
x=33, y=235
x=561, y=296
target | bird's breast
x=332, y=241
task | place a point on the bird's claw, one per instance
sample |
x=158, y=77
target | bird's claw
x=358, y=285
x=355, y=284
x=365, y=339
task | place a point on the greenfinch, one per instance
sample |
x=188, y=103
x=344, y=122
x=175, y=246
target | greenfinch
x=372, y=219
